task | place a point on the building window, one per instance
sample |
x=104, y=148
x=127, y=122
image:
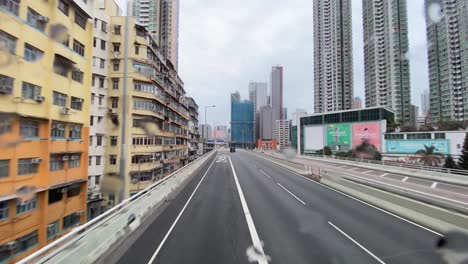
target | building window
x=29, y=128
x=102, y=63
x=103, y=44
x=25, y=206
x=30, y=91
x=94, y=45
x=115, y=83
x=58, y=130
x=6, y=84
x=26, y=242
x=91, y=123
x=62, y=65
x=63, y=6
x=73, y=190
x=104, y=26
x=36, y=20
x=76, y=103
x=9, y=40
x=70, y=221
x=439, y=135
x=77, y=75
x=27, y=166
x=4, y=168
x=98, y=160
x=78, y=47
x=116, y=47
x=113, y=141
x=116, y=65
x=59, y=99
x=137, y=49
x=96, y=22
x=80, y=20
x=101, y=82
x=52, y=229
x=74, y=161
x=56, y=163
x=11, y=5
x=98, y=140
x=74, y=131
x=4, y=210
x=66, y=42
x=31, y=53
x=115, y=102
x=97, y=179
x=117, y=29
x=112, y=159
x=99, y=119
x=90, y=160
x=91, y=140
x=55, y=195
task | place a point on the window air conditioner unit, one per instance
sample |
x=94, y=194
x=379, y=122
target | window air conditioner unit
x=5, y=89
x=79, y=100
x=50, y=227
x=63, y=190
x=39, y=98
x=42, y=19
x=11, y=245
x=36, y=160
x=80, y=213
x=134, y=181
x=75, y=157
x=64, y=111
x=65, y=158
x=112, y=111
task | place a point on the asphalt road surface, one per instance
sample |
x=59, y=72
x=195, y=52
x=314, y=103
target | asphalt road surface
x=241, y=208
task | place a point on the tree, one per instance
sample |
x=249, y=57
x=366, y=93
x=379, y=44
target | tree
x=428, y=156
x=463, y=160
x=327, y=151
x=450, y=163
x=450, y=125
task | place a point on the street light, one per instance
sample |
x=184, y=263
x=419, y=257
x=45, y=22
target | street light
x=206, y=128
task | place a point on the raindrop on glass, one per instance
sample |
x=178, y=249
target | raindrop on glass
x=25, y=193
x=58, y=32
x=5, y=55
x=434, y=11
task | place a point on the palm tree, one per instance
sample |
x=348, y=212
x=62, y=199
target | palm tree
x=428, y=156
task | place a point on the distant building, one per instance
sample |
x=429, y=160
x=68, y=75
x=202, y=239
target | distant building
x=220, y=132
x=425, y=103
x=295, y=115
x=421, y=121
x=285, y=113
x=277, y=92
x=357, y=104
x=265, y=123
x=206, y=132
x=269, y=144
x=242, y=122
x=258, y=94
x=414, y=112
x=283, y=131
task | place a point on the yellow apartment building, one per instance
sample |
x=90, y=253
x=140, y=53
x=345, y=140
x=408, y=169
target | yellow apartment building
x=156, y=115
x=45, y=78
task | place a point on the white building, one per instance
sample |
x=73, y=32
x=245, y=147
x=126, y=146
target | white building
x=283, y=133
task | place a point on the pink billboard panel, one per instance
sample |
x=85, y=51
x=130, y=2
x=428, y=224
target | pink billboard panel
x=367, y=131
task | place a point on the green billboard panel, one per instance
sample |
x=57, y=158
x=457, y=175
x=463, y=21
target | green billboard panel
x=338, y=134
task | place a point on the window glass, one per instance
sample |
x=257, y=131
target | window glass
x=52, y=229
x=30, y=91
x=27, y=166
x=29, y=128
x=25, y=206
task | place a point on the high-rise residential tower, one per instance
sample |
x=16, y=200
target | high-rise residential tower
x=258, y=94
x=169, y=36
x=425, y=102
x=387, y=76
x=448, y=60
x=277, y=92
x=147, y=13
x=333, y=61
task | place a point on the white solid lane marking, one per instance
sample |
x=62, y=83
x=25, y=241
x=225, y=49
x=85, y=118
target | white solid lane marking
x=368, y=171
x=254, y=165
x=383, y=175
x=405, y=179
x=434, y=185
x=292, y=194
x=248, y=217
x=361, y=201
x=265, y=174
x=357, y=243
x=180, y=214
x=407, y=189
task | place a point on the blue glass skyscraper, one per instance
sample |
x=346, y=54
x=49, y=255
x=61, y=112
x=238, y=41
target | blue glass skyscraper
x=242, y=122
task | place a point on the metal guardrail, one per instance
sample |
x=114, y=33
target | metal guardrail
x=396, y=164
x=76, y=234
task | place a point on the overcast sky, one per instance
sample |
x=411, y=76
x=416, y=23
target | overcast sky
x=223, y=44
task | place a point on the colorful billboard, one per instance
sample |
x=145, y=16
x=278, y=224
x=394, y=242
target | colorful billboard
x=411, y=146
x=338, y=134
x=367, y=131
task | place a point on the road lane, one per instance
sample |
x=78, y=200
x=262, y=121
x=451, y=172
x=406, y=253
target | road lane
x=388, y=237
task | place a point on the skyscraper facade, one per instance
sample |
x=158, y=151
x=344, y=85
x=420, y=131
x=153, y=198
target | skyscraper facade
x=387, y=76
x=258, y=94
x=448, y=60
x=425, y=103
x=147, y=13
x=169, y=37
x=242, y=122
x=277, y=92
x=333, y=62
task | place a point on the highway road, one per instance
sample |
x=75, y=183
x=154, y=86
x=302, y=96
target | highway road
x=241, y=208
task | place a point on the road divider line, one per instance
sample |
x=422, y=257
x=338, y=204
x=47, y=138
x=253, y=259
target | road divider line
x=253, y=165
x=357, y=243
x=180, y=214
x=383, y=175
x=405, y=179
x=358, y=200
x=248, y=217
x=434, y=185
x=368, y=171
x=292, y=194
x=265, y=174
x=411, y=190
